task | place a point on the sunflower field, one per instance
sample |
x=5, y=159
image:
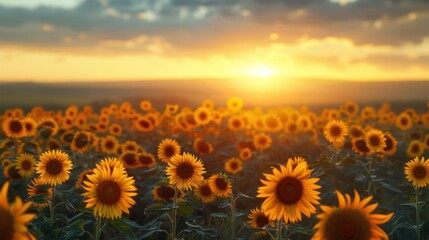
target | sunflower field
x=214, y=172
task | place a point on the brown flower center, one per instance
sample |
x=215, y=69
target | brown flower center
x=361, y=146
x=6, y=224
x=221, y=184
x=289, y=190
x=165, y=192
x=236, y=124
x=169, y=151
x=335, y=131
x=54, y=167
x=26, y=165
x=28, y=127
x=262, y=220
x=374, y=141
x=415, y=148
x=389, y=144
x=53, y=145
x=130, y=159
x=108, y=192
x=419, y=172
x=144, y=124
x=233, y=165
x=206, y=191
x=109, y=144
x=203, y=147
x=145, y=159
x=262, y=141
x=347, y=224
x=356, y=132
x=81, y=140
x=185, y=170
x=15, y=126
x=203, y=116
x=404, y=121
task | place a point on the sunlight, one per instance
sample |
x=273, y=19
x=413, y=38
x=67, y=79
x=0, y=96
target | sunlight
x=262, y=71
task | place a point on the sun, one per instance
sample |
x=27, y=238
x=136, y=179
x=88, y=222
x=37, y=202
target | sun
x=262, y=71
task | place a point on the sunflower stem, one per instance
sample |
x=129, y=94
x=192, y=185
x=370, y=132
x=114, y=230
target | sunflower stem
x=97, y=228
x=417, y=213
x=232, y=205
x=173, y=223
x=279, y=229
x=369, y=177
x=52, y=207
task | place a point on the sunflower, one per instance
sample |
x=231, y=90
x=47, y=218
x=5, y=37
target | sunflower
x=261, y=141
x=234, y=104
x=417, y=172
x=426, y=141
x=404, y=121
x=202, y=147
x=29, y=147
x=14, y=218
x=415, y=148
x=145, y=105
x=375, y=140
x=233, y=165
x=289, y=192
x=144, y=124
x=6, y=163
x=304, y=123
x=67, y=137
x=205, y=192
x=129, y=159
x=368, y=113
x=83, y=176
x=185, y=171
x=25, y=164
x=112, y=163
x=291, y=127
x=221, y=185
x=350, y=108
x=14, y=128
x=171, y=109
x=167, y=149
x=109, y=145
x=258, y=219
x=203, y=115
x=115, y=129
x=37, y=188
x=272, y=123
x=359, y=146
x=245, y=154
x=391, y=144
x=131, y=146
x=236, y=123
x=72, y=111
x=355, y=131
x=30, y=127
x=335, y=131
x=53, y=144
x=352, y=219
x=11, y=173
x=163, y=193
x=81, y=142
x=48, y=127
x=146, y=160
x=54, y=167
x=110, y=192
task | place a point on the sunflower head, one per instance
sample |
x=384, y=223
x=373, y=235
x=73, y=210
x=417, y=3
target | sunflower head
x=258, y=219
x=205, y=192
x=359, y=146
x=352, y=219
x=202, y=147
x=417, y=172
x=167, y=149
x=26, y=164
x=335, y=131
x=289, y=192
x=163, y=193
x=14, y=218
x=14, y=128
x=261, y=141
x=233, y=165
x=54, y=167
x=203, y=115
x=391, y=144
x=375, y=140
x=221, y=185
x=245, y=154
x=38, y=187
x=415, y=148
x=109, y=192
x=146, y=160
x=185, y=171
x=234, y=104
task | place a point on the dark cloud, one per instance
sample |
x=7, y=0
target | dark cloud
x=199, y=25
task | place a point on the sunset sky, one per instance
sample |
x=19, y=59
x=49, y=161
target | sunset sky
x=79, y=40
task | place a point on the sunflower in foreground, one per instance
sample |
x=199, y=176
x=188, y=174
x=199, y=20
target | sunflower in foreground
x=335, y=131
x=417, y=172
x=288, y=192
x=185, y=171
x=167, y=149
x=205, y=192
x=54, y=167
x=110, y=192
x=25, y=164
x=14, y=218
x=352, y=219
x=258, y=219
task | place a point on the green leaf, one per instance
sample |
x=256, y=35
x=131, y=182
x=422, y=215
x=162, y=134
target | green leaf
x=123, y=228
x=184, y=209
